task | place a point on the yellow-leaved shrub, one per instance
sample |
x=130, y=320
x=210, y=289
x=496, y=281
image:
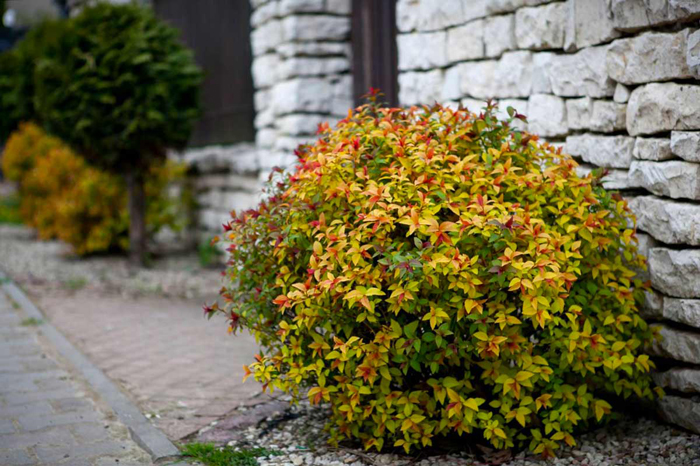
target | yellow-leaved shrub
x=62, y=197
x=431, y=272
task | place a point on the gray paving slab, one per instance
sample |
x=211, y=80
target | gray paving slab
x=49, y=413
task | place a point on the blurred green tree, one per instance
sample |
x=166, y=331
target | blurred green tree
x=121, y=89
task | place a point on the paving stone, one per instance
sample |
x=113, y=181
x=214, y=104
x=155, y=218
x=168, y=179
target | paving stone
x=38, y=407
x=7, y=426
x=16, y=458
x=58, y=436
x=66, y=454
x=29, y=424
x=659, y=107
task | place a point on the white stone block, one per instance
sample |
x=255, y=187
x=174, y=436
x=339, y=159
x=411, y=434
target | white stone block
x=341, y=7
x=315, y=27
x=675, y=273
x=422, y=51
x=652, y=56
x=266, y=37
x=592, y=22
x=318, y=49
x=300, y=124
x=264, y=14
x=302, y=95
x=632, y=15
x=265, y=137
x=675, y=179
x=430, y=15
x=466, y=42
x=289, y=7
x=541, y=63
x=692, y=53
x=603, y=151
x=310, y=66
x=668, y=221
x=656, y=149
x=659, y=107
x=581, y=74
x=499, y=35
x=622, y=93
x=541, y=27
x=547, y=115
x=420, y=87
x=686, y=144
x=265, y=70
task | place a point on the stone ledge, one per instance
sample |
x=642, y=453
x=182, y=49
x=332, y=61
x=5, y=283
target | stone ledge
x=668, y=221
x=675, y=272
x=679, y=345
x=660, y=107
x=675, y=179
x=680, y=411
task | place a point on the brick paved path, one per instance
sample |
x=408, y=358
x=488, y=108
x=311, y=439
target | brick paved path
x=172, y=361
x=48, y=414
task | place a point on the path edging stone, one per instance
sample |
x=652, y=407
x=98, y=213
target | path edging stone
x=145, y=434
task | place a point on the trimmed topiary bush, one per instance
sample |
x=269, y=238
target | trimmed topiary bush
x=65, y=198
x=429, y=272
x=120, y=90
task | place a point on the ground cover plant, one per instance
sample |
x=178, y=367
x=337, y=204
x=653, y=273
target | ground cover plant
x=432, y=272
x=211, y=455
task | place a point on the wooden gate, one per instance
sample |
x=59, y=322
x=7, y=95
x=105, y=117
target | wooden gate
x=219, y=33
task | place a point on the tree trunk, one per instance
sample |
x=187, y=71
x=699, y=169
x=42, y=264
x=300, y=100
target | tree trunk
x=137, y=218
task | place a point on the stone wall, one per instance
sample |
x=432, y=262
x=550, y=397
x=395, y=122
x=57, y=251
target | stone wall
x=617, y=83
x=301, y=75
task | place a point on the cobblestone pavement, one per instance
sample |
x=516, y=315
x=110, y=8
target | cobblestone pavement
x=182, y=370
x=48, y=414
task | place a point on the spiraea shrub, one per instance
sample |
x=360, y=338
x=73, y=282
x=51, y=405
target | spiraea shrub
x=430, y=272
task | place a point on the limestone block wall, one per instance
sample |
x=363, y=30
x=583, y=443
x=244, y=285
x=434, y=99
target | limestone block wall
x=301, y=75
x=617, y=82
x=301, y=71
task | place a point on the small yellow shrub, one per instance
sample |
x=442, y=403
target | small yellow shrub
x=431, y=272
x=65, y=198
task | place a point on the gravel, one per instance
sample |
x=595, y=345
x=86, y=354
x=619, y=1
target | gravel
x=43, y=265
x=297, y=434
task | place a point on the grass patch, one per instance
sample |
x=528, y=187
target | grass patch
x=9, y=210
x=209, y=254
x=75, y=283
x=31, y=322
x=211, y=455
